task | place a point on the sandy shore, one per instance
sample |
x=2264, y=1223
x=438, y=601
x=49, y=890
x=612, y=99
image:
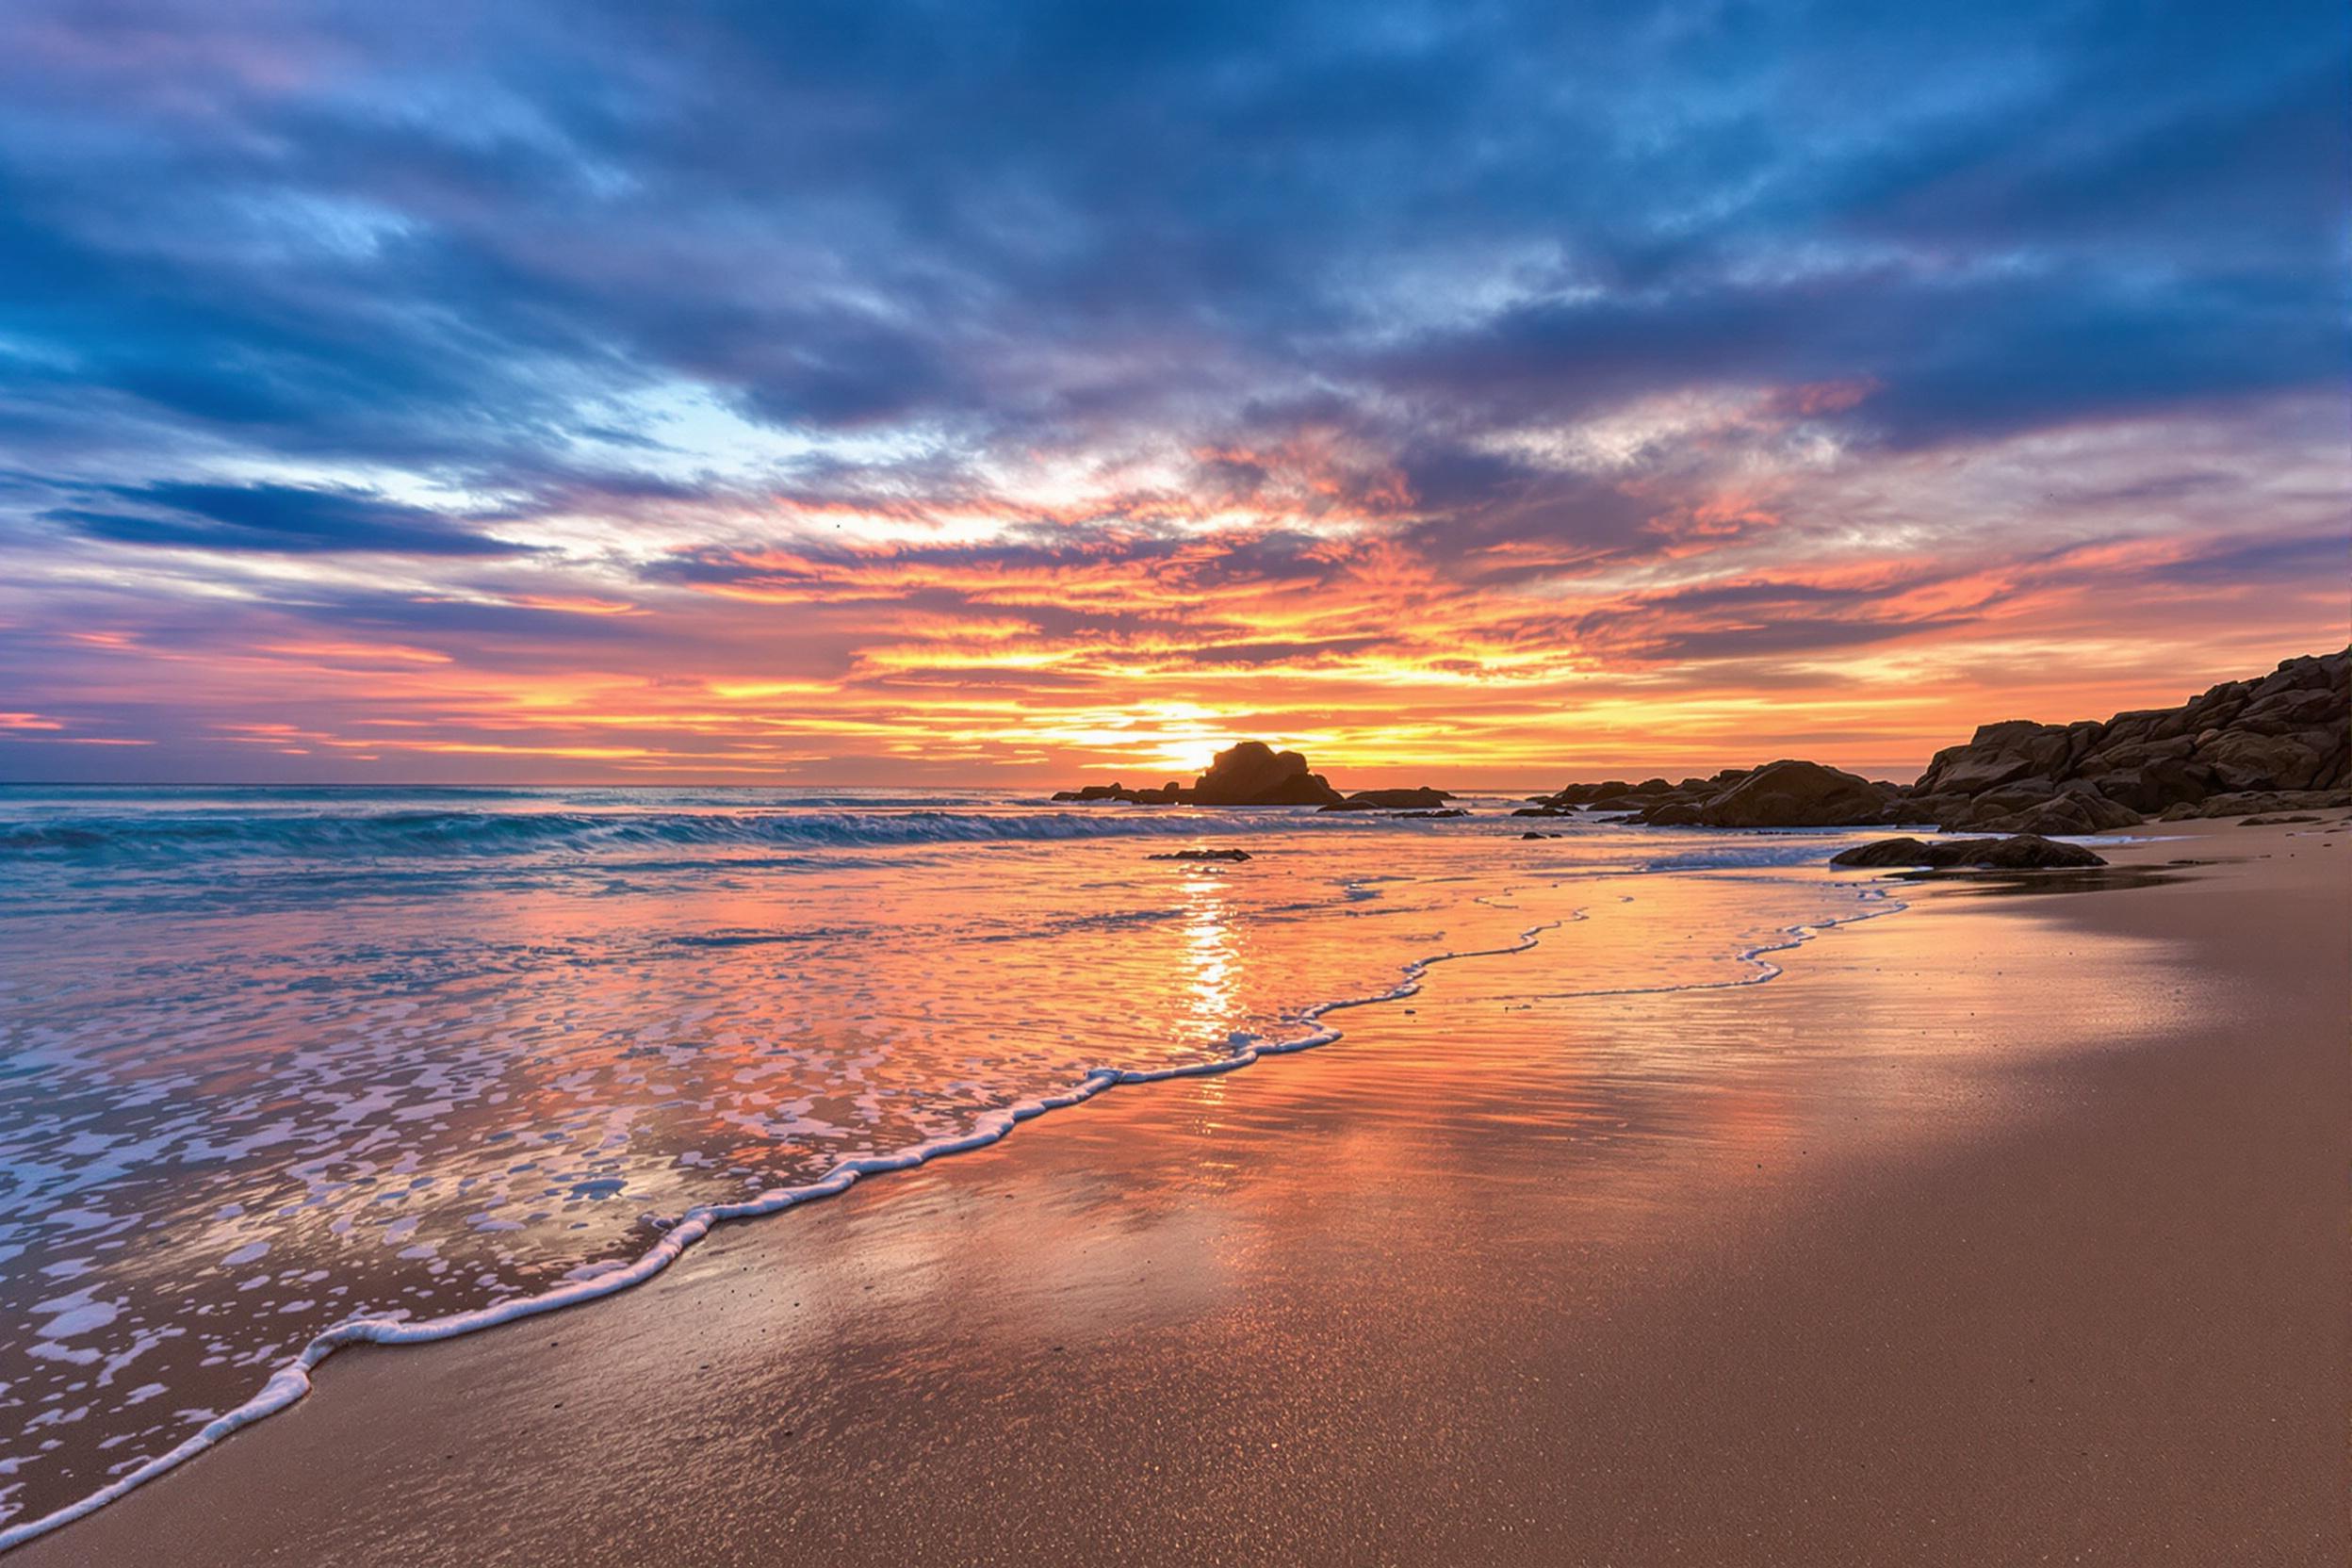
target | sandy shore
x=2007, y=1230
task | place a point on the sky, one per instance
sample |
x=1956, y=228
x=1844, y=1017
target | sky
x=994, y=393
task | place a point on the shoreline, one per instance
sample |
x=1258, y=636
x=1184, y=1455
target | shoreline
x=144, y=1522
x=293, y=1380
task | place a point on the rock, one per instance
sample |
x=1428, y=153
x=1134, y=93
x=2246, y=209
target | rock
x=2278, y=822
x=2244, y=803
x=2024, y=851
x=1786, y=793
x=1429, y=816
x=1615, y=795
x=1234, y=854
x=1381, y=800
x=2242, y=760
x=1525, y=836
x=1254, y=774
x=1249, y=774
x=2073, y=813
x=1167, y=794
x=2290, y=730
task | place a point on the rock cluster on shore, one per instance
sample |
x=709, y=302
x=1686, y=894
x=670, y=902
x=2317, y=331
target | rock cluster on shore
x=2279, y=743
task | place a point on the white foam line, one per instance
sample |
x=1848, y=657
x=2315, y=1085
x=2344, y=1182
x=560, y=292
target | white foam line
x=1792, y=936
x=292, y=1380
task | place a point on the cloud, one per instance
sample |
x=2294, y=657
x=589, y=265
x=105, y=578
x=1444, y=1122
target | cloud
x=277, y=519
x=1222, y=356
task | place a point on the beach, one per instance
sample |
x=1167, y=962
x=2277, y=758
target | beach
x=2006, y=1229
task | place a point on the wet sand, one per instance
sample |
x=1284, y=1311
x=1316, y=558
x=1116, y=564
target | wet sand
x=2006, y=1229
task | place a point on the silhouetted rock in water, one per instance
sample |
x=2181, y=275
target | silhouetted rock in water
x=1615, y=795
x=1249, y=774
x=2277, y=822
x=1526, y=836
x=1379, y=800
x=1254, y=774
x=1234, y=855
x=2025, y=852
x=1425, y=816
x=1167, y=794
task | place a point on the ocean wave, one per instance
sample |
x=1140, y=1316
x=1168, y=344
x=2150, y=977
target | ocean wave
x=394, y=834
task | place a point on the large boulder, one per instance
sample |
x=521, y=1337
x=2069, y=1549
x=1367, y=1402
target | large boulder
x=2024, y=851
x=1788, y=793
x=1254, y=774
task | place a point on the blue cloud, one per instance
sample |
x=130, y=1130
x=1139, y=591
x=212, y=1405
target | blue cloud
x=325, y=235
x=276, y=519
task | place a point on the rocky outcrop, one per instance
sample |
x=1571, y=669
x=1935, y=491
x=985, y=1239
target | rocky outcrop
x=1254, y=774
x=2289, y=732
x=2279, y=743
x=1248, y=773
x=1391, y=800
x=2025, y=852
x=1236, y=856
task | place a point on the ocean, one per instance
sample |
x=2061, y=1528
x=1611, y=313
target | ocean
x=291, y=1068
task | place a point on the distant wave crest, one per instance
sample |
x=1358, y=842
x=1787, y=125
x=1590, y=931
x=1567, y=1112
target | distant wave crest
x=394, y=834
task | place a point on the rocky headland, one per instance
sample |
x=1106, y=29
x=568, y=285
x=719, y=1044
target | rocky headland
x=2276, y=743
x=2273, y=744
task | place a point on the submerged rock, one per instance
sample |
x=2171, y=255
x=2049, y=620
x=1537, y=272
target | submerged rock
x=1234, y=854
x=2024, y=851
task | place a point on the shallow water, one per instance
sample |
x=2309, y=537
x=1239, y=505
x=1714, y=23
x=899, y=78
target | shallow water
x=279, y=1059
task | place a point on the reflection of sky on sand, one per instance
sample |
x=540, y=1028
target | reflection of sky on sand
x=1445, y=1163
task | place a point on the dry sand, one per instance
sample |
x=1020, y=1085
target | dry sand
x=2009, y=1229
